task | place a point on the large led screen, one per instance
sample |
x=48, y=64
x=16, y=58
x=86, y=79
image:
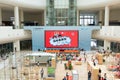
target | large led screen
x=61, y=38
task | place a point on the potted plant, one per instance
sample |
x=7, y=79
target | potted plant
x=70, y=67
x=51, y=72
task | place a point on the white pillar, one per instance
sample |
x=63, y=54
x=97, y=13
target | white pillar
x=16, y=45
x=106, y=22
x=16, y=15
x=78, y=18
x=21, y=18
x=107, y=45
x=42, y=19
x=45, y=18
x=0, y=16
x=100, y=17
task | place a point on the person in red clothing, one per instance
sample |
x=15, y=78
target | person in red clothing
x=79, y=59
x=102, y=78
x=67, y=75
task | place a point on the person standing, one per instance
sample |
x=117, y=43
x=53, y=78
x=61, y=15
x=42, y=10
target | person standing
x=85, y=59
x=64, y=78
x=61, y=57
x=67, y=75
x=100, y=70
x=89, y=75
x=102, y=78
x=42, y=72
x=99, y=76
x=105, y=76
x=94, y=62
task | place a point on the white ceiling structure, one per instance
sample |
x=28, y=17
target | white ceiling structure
x=41, y=4
x=88, y=4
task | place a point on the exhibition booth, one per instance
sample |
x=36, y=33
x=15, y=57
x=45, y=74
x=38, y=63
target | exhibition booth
x=34, y=62
x=39, y=57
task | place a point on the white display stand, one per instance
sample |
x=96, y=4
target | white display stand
x=14, y=60
x=75, y=75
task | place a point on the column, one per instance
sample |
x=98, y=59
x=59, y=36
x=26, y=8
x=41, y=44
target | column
x=78, y=18
x=106, y=21
x=16, y=45
x=42, y=21
x=107, y=45
x=16, y=15
x=45, y=18
x=0, y=16
x=100, y=17
x=21, y=18
x=16, y=48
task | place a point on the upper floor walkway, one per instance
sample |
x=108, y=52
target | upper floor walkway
x=110, y=33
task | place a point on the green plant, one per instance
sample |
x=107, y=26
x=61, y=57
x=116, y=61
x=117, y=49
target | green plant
x=51, y=70
x=70, y=67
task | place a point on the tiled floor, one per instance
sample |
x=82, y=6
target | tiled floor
x=81, y=69
x=7, y=74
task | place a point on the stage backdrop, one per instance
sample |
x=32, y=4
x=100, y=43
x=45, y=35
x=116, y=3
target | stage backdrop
x=57, y=37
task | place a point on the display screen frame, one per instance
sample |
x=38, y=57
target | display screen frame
x=76, y=41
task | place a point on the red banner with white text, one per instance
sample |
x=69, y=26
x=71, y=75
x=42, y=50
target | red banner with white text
x=61, y=38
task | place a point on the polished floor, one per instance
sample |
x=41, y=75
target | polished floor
x=6, y=73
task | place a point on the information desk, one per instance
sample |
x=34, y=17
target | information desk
x=71, y=51
x=65, y=51
x=94, y=70
x=52, y=51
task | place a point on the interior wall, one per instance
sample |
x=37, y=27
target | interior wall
x=28, y=16
x=115, y=15
x=6, y=15
x=39, y=16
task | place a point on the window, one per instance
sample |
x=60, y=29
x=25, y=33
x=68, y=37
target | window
x=88, y=19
